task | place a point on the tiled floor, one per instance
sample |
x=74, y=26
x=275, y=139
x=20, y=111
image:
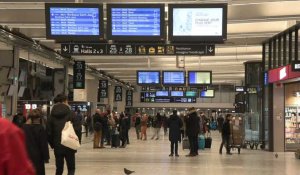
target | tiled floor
x=151, y=158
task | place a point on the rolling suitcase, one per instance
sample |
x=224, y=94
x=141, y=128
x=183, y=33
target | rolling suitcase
x=201, y=142
x=115, y=140
x=185, y=143
x=208, y=141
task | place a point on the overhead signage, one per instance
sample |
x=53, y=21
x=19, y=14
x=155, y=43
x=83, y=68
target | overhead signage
x=239, y=89
x=129, y=97
x=103, y=89
x=79, y=75
x=296, y=66
x=118, y=93
x=136, y=49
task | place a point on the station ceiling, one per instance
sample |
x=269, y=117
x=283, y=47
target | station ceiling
x=250, y=22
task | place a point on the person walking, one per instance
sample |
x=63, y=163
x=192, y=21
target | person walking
x=60, y=114
x=174, y=124
x=226, y=135
x=157, y=122
x=14, y=159
x=193, y=129
x=183, y=128
x=77, y=123
x=165, y=125
x=137, y=125
x=87, y=124
x=220, y=121
x=104, y=124
x=36, y=141
x=97, y=128
x=124, y=125
x=144, y=121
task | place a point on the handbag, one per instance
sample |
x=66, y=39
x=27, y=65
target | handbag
x=69, y=137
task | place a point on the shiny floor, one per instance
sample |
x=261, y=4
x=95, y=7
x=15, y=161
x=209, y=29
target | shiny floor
x=151, y=157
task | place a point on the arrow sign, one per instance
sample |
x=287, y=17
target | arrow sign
x=65, y=49
x=210, y=50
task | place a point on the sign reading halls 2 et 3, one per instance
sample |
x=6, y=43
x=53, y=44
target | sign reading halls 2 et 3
x=137, y=49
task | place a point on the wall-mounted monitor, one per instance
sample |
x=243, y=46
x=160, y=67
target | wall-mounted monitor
x=173, y=78
x=162, y=93
x=239, y=89
x=177, y=94
x=21, y=91
x=11, y=90
x=199, y=78
x=209, y=93
x=74, y=21
x=191, y=94
x=148, y=77
x=136, y=22
x=197, y=22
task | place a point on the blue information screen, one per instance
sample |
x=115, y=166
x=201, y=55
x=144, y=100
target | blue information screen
x=148, y=78
x=135, y=21
x=177, y=93
x=74, y=21
x=162, y=93
x=174, y=77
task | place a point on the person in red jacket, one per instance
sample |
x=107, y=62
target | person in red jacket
x=13, y=156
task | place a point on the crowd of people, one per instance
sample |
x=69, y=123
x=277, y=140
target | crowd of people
x=108, y=128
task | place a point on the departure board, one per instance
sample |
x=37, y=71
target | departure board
x=148, y=77
x=74, y=21
x=173, y=78
x=135, y=21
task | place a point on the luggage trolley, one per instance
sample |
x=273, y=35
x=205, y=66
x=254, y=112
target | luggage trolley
x=237, y=133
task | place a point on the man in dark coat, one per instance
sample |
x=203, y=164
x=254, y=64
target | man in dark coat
x=192, y=131
x=60, y=114
x=226, y=135
x=124, y=125
x=174, y=124
x=77, y=124
x=36, y=141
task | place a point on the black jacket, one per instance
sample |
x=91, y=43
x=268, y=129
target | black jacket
x=124, y=127
x=77, y=122
x=157, y=121
x=192, y=124
x=226, y=129
x=174, y=123
x=60, y=114
x=37, y=146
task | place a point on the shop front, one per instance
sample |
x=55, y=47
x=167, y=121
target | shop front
x=286, y=85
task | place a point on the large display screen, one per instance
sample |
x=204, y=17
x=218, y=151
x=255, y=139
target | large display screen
x=202, y=22
x=207, y=94
x=162, y=93
x=74, y=21
x=148, y=77
x=173, y=77
x=199, y=77
x=135, y=21
x=177, y=93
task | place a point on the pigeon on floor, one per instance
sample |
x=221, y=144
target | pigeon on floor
x=128, y=172
x=276, y=155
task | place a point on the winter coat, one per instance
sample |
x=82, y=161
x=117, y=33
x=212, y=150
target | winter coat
x=226, y=129
x=192, y=124
x=14, y=159
x=60, y=114
x=174, y=123
x=37, y=146
x=77, y=122
x=124, y=127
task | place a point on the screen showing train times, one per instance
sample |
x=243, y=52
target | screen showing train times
x=148, y=77
x=74, y=21
x=135, y=21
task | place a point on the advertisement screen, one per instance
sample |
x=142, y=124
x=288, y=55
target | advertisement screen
x=197, y=21
x=207, y=94
x=199, y=78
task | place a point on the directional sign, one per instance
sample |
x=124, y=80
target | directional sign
x=118, y=93
x=137, y=49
